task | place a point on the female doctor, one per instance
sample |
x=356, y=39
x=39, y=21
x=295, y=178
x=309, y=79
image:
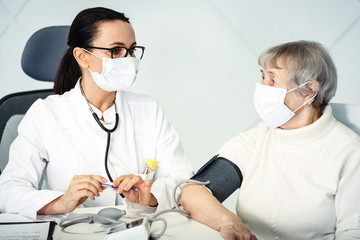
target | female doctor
x=93, y=131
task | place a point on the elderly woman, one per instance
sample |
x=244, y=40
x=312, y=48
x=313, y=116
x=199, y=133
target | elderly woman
x=300, y=168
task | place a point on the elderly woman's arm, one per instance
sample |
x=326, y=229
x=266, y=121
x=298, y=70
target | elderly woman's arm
x=347, y=197
x=205, y=208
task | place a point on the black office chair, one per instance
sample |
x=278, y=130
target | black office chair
x=40, y=59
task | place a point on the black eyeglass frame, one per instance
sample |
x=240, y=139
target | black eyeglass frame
x=114, y=48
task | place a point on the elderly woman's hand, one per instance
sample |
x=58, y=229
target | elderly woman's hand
x=233, y=228
x=135, y=189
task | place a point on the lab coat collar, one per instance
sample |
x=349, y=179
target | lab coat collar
x=109, y=114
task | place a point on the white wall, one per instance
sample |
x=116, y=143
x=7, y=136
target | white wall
x=201, y=56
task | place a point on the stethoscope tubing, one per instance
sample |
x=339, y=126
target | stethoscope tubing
x=108, y=131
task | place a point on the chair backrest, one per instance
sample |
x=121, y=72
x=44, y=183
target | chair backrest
x=40, y=59
x=348, y=114
x=12, y=109
x=43, y=52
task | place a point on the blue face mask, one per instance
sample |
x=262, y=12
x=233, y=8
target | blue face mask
x=270, y=105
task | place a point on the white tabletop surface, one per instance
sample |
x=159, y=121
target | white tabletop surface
x=178, y=226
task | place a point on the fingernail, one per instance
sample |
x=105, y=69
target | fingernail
x=126, y=188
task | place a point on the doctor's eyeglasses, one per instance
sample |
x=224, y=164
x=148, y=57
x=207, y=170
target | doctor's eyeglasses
x=120, y=52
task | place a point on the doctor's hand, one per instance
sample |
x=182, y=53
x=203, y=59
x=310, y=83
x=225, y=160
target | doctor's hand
x=81, y=188
x=141, y=195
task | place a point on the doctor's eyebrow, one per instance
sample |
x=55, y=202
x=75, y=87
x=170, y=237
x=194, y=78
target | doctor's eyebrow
x=122, y=44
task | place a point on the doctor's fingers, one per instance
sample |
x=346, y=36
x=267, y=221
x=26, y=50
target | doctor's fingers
x=146, y=185
x=95, y=180
x=73, y=198
x=117, y=181
x=129, y=182
x=144, y=193
x=92, y=186
x=84, y=189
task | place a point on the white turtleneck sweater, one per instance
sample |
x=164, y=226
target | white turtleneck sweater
x=299, y=184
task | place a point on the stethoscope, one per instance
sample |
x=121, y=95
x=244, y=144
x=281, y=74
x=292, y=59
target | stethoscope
x=108, y=131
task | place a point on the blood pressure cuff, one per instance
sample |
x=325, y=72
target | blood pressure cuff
x=225, y=177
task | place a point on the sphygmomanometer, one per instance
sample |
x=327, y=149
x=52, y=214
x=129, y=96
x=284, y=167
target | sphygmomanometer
x=224, y=176
x=221, y=176
x=111, y=224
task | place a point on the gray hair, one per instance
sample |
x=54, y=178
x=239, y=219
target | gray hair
x=305, y=61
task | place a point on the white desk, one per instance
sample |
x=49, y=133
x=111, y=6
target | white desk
x=178, y=227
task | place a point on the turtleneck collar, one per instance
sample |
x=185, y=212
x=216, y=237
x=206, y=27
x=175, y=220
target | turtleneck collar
x=309, y=133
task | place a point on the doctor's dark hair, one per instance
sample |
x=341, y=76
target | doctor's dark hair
x=305, y=61
x=83, y=31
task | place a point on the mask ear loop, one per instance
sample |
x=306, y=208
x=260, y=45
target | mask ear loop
x=298, y=87
x=91, y=53
x=306, y=102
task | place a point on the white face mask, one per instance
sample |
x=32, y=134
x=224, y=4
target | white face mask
x=117, y=74
x=270, y=105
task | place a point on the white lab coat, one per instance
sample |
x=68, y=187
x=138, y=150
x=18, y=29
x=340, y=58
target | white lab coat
x=59, y=136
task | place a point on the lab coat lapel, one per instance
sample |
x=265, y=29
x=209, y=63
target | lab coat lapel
x=91, y=146
x=123, y=155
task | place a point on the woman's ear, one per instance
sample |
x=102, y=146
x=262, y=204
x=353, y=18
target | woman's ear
x=314, y=87
x=81, y=57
